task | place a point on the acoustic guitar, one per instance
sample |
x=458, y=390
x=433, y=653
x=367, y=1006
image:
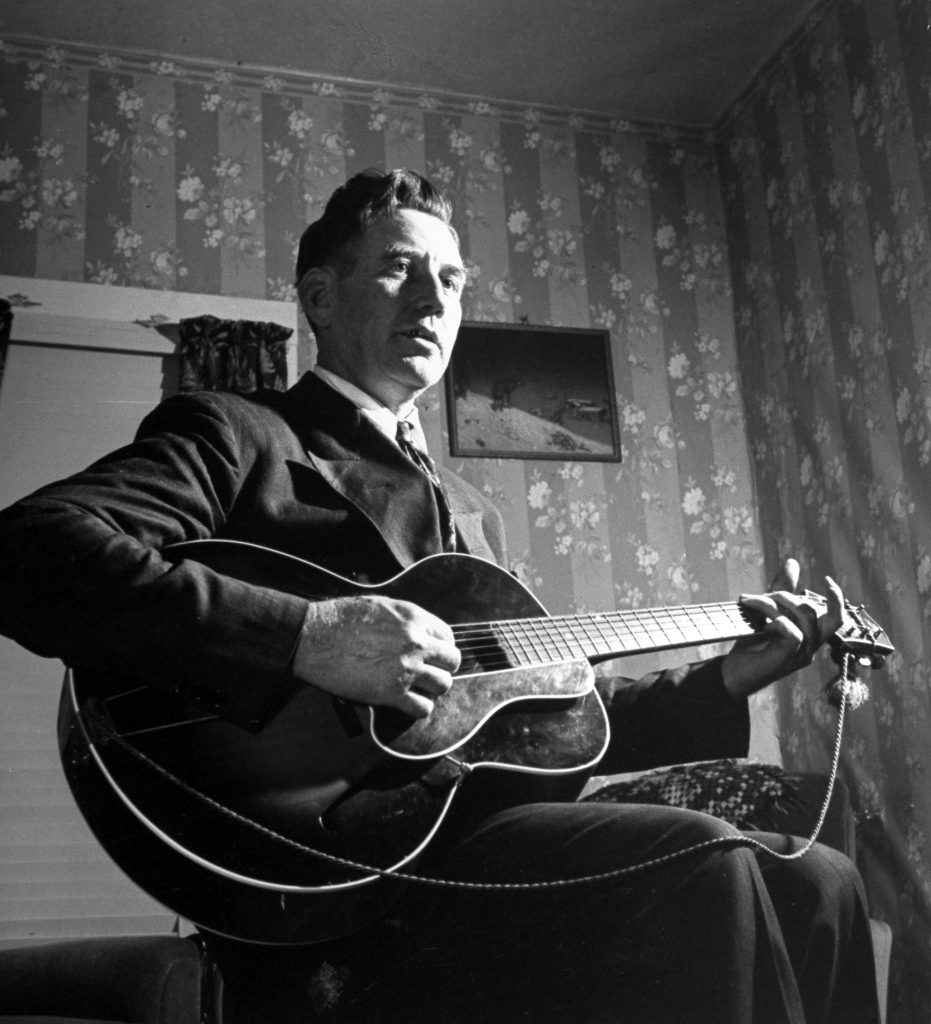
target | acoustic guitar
x=300, y=831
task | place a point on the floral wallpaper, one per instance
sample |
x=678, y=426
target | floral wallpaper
x=765, y=286
x=826, y=173
x=162, y=173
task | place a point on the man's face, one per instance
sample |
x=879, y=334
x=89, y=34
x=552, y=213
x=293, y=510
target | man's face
x=392, y=320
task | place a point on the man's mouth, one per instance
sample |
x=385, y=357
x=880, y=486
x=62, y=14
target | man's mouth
x=420, y=334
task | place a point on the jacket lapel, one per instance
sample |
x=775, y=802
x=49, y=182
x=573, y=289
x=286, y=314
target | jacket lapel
x=366, y=468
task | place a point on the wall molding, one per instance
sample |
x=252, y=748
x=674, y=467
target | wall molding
x=288, y=81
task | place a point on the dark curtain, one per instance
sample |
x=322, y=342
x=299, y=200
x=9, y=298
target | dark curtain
x=232, y=355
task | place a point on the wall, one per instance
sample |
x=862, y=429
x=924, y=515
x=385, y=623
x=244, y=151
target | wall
x=124, y=172
x=168, y=174
x=826, y=171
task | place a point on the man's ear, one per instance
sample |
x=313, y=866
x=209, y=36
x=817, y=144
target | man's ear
x=317, y=292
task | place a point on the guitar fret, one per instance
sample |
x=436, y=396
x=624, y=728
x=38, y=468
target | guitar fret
x=589, y=629
x=530, y=642
x=606, y=643
x=518, y=645
x=649, y=622
x=622, y=635
x=694, y=633
x=569, y=646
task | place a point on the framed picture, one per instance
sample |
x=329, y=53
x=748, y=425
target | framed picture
x=516, y=391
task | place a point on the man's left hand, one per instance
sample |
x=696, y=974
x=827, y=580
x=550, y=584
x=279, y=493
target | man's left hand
x=794, y=632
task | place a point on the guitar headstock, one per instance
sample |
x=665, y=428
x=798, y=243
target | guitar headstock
x=861, y=636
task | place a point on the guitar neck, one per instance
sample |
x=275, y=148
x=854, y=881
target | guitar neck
x=600, y=636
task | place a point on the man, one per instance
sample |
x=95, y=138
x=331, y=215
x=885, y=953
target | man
x=324, y=472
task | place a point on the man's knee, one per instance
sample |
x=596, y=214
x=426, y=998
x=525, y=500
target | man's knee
x=824, y=880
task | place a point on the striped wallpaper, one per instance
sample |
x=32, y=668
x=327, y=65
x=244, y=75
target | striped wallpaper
x=826, y=172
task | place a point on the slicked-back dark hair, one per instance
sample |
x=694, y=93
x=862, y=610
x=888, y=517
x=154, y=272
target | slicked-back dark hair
x=366, y=197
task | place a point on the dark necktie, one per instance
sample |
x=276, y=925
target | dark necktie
x=427, y=466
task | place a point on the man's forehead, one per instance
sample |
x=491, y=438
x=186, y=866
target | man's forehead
x=414, y=229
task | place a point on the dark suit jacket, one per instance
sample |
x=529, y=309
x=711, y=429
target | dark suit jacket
x=302, y=472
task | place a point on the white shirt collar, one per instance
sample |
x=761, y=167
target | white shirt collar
x=372, y=409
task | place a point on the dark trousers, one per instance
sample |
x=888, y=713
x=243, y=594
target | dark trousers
x=723, y=936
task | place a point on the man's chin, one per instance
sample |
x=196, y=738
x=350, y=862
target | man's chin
x=420, y=372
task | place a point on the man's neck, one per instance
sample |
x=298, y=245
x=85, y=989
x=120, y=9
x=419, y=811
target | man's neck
x=380, y=413
x=362, y=396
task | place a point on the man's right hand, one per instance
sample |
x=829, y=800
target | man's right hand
x=376, y=650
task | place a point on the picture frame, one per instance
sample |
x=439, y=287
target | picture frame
x=521, y=391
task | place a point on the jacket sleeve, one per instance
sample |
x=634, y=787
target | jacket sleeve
x=84, y=579
x=672, y=717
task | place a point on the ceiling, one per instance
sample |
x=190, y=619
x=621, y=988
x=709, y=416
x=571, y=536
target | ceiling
x=678, y=62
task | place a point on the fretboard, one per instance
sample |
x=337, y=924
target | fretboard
x=600, y=636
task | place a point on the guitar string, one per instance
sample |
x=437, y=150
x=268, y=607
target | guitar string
x=520, y=637
x=734, y=839
x=625, y=621
x=557, y=627
x=632, y=621
x=480, y=640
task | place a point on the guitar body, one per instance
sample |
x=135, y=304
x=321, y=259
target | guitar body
x=283, y=835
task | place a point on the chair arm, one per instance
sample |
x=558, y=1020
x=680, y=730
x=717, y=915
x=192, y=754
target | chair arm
x=153, y=979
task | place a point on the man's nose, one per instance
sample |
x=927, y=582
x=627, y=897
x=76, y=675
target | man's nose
x=430, y=295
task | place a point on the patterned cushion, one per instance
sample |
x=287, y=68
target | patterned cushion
x=743, y=793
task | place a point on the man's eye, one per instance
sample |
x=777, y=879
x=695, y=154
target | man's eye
x=453, y=284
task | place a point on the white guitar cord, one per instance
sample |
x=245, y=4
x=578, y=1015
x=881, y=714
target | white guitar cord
x=843, y=691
